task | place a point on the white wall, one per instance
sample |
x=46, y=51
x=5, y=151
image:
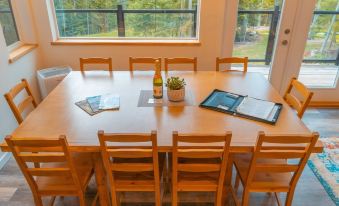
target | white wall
x=211, y=36
x=11, y=74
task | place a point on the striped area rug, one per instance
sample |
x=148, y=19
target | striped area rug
x=326, y=167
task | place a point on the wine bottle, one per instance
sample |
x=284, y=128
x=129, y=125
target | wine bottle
x=157, y=81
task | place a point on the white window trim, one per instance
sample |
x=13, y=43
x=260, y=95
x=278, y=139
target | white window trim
x=195, y=40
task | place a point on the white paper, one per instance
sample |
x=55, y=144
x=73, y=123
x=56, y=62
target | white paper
x=109, y=101
x=223, y=107
x=256, y=108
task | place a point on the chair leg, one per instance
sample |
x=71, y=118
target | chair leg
x=224, y=196
x=289, y=197
x=82, y=201
x=51, y=201
x=119, y=197
x=36, y=165
x=245, y=197
x=276, y=194
x=236, y=184
x=166, y=172
x=37, y=200
x=174, y=197
x=114, y=198
x=94, y=203
x=219, y=197
x=234, y=195
x=157, y=198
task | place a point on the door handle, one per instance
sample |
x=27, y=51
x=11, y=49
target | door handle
x=284, y=42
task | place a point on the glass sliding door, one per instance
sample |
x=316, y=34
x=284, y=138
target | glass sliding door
x=256, y=32
x=321, y=56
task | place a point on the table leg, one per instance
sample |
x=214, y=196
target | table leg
x=228, y=176
x=100, y=178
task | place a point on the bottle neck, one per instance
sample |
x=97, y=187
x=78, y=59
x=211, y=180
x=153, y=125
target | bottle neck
x=157, y=68
x=157, y=71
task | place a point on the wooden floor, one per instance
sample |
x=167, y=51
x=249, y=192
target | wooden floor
x=14, y=190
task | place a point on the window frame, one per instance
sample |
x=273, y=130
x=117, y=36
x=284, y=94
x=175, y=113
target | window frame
x=122, y=40
x=17, y=25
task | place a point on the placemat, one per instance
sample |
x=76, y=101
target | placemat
x=146, y=100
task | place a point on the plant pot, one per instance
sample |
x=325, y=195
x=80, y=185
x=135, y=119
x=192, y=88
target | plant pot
x=176, y=95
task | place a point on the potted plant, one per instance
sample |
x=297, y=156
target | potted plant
x=175, y=89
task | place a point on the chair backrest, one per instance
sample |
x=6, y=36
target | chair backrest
x=183, y=148
x=23, y=105
x=96, y=60
x=266, y=156
x=306, y=95
x=43, y=152
x=232, y=60
x=126, y=153
x=169, y=61
x=142, y=60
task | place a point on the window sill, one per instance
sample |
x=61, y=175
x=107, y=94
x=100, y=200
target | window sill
x=20, y=52
x=127, y=42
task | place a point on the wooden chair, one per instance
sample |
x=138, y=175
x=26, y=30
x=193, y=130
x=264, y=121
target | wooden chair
x=142, y=60
x=131, y=168
x=96, y=60
x=268, y=168
x=61, y=173
x=299, y=105
x=192, y=61
x=23, y=105
x=199, y=168
x=232, y=60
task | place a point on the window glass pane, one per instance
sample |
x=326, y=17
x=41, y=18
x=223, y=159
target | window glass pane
x=322, y=42
x=252, y=35
x=258, y=4
x=8, y=23
x=134, y=18
x=321, y=56
x=88, y=24
x=159, y=25
x=255, y=33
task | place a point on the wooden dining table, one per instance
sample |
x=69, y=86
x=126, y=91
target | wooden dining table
x=58, y=115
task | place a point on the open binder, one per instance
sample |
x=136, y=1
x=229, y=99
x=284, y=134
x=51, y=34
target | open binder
x=243, y=106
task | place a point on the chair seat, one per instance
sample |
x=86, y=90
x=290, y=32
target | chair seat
x=62, y=184
x=276, y=182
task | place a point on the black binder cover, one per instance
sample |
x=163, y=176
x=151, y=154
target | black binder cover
x=228, y=102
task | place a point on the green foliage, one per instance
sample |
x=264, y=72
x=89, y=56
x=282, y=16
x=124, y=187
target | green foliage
x=175, y=83
x=96, y=24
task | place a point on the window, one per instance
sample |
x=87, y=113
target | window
x=256, y=32
x=320, y=66
x=8, y=22
x=168, y=19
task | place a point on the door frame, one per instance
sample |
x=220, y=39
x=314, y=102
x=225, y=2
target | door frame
x=287, y=59
x=297, y=16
